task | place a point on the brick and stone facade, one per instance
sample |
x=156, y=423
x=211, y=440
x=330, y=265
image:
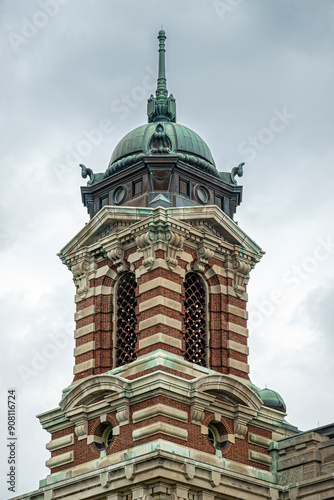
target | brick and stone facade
x=161, y=406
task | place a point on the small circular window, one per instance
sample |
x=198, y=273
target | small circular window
x=103, y=436
x=202, y=194
x=217, y=435
x=120, y=194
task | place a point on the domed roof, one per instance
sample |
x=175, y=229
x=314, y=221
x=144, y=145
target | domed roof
x=273, y=400
x=183, y=139
x=162, y=135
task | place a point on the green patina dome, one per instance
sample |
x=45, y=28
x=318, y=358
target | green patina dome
x=162, y=135
x=183, y=139
x=273, y=400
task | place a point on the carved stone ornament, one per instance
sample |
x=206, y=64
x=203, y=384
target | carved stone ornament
x=116, y=254
x=197, y=415
x=80, y=270
x=145, y=244
x=129, y=472
x=159, y=237
x=105, y=479
x=204, y=254
x=122, y=415
x=215, y=478
x=190, y=471
x=242, y=417
x=175, y=243
x=241, y=271
x=81, y=429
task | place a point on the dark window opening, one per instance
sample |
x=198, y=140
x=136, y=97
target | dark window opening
x=184, y=187
x=217, y=435
x=126, y=320
x=194, y=320
x=137, y=188
x=103, y=436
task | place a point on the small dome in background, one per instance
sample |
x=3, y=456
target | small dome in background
x=273, y=400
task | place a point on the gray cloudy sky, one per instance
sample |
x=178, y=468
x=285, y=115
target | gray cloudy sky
x=255, y=79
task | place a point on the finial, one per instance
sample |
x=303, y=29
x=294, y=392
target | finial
x=162, y=92
x=161, y=108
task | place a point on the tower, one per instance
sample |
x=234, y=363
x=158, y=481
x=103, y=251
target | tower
x=161, y=404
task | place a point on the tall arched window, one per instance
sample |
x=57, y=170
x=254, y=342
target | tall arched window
x=194, y=319
x=126, y=320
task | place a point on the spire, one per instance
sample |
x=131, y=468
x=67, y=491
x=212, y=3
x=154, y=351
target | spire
x=161, y=108
x=162, y=92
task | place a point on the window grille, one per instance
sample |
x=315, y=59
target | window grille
x=126, y=320
x=194, y=320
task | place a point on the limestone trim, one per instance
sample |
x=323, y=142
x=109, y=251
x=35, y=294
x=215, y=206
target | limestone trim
x=238, y=392
x=160, y=319
x=90, y=389
x=116, y=254
x=154, y=464
x=160, y=409
x=232, y=327
x=95, y=291
x=239, y=268
x=84, y=330
x=235, y=346
x=238, y=365
x=83, y=267
x=204, y=253
x=237, y=311
x=83, y=313
x=85, y=365
x=160, y=357
x=134, y=257
x=160, y=338
x=160, y=428
x=259, y=440
x=64, y=458
x=260, y=458
x=163, y=282
x=62, y=442
x=82, y=349
x=227, y=290
x=161, y=301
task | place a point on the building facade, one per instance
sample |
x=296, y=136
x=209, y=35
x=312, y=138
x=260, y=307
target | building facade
x=161, y=406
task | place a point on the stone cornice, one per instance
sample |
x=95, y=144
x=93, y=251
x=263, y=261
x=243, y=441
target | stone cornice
x=126, y=224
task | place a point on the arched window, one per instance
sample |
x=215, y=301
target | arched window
x=126, y=320
x=194, y=319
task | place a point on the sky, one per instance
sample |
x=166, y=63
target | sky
x=255, y=79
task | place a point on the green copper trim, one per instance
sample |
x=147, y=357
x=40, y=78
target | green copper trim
x=162, y=92
x=161, y=108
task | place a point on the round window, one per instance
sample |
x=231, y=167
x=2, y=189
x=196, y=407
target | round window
x=202, y=194
x=217, y=435
x=120, y=194
x=103, y=437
